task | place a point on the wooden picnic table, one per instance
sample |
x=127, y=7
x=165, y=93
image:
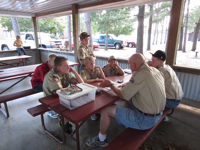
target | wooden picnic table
x=22, y=59
x=79, y=115
x=20, y=72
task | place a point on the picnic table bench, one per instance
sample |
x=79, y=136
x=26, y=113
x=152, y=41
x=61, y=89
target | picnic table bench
x=22, y=59
x=132, y=139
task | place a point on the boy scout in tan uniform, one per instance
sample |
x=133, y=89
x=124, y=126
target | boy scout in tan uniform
x=146, y=92
x=112, y=68
x=54, y=81
x=57, y=78
x=173, y=87
x=84, y=51
x=91, y=73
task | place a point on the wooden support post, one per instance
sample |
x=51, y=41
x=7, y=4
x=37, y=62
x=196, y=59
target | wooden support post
x=75, y=30
x=37, y=52
x=174, y=28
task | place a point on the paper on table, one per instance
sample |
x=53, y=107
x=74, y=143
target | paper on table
x=127, y=71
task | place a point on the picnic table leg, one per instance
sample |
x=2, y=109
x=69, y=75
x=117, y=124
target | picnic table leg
x=54, y=137
x=77, y=136
x=6, y=112
x=15, y=84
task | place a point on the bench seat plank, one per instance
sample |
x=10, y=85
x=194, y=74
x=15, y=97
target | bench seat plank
x=132, y=139
x=38, y=110
x=16, y=95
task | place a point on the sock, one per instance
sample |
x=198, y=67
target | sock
x=102, y=137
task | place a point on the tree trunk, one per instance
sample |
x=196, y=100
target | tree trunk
x=157, y=34
x=181, y=31
x=161, y=36
x=186, y=26
x=154, y=37
x=106, y=41
x=88, y=28
x=150, y=28
x=140, y=30
x=69, y=32
x=15, y=26
x=195, y=35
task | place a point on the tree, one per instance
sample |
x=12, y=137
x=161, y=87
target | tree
x=181, y=30
x=50, y=25
x=140, y=30
x=117, y=21
x=186, y=27
x=194, y=20
x=150, y=27
x=15, y=26
x=88, y=28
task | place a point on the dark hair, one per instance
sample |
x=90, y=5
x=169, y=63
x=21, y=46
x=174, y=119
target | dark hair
x=58, y=62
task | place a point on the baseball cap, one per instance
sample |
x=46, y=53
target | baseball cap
x=160, y=54
x=84, y=35
x=111, y=58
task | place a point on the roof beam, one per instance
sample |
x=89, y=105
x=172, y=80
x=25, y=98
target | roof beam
x=16, y=14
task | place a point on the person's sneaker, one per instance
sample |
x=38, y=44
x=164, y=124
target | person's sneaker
x=94, y=117
x=52, y=114
x=95, y=142
x=166, y=119
x=67, y=127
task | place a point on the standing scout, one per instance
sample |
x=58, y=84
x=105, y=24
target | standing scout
x=84, y=51
x=173, y=87
x=60, y=77
x=112, y=68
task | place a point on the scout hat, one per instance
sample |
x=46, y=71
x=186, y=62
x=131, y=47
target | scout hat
x=111, y=58
x=160, y=54
x=84, y=35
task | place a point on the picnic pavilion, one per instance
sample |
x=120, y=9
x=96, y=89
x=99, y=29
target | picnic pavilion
x=22, y=131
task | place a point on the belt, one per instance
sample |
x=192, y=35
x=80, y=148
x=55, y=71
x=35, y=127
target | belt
x=150, y=115
x=173, y=100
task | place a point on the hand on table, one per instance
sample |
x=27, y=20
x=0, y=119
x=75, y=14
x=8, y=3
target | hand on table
x=99, y=80
x=106, y=83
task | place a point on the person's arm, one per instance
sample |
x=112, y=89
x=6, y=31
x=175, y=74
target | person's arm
x=116, y=90
x=120, y=71
x=101, y=71
x=93, y=80
x=78, y=77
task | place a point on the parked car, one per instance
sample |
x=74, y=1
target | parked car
x=28, y=40
x=95, y=45
x=112, y=41
x=131, y=44
x=129, y=39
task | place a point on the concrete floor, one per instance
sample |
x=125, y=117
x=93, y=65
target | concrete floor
x=21, y=131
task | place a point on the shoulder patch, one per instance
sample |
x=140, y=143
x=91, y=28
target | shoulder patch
x=132, y=80
x=54, y=79
x=55, y=75
x=80, y=50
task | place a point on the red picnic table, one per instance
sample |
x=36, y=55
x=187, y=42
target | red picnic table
x=79, y=115
x=18, y=72
x=22, y=59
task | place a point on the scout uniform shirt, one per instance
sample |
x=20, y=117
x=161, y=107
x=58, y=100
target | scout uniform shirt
x=172, y=85
x=54, y=81
x=87, y=74
x=146, y=89
x=108, y=70
x=18, y=43
x=84, y=52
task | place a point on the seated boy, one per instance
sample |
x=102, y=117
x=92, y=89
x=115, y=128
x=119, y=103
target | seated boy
x=112, y=68
x=90, y=73
x=60, y=77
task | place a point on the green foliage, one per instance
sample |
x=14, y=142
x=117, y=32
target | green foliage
x=117, y=21
x=193, y=18
x=50, y=25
